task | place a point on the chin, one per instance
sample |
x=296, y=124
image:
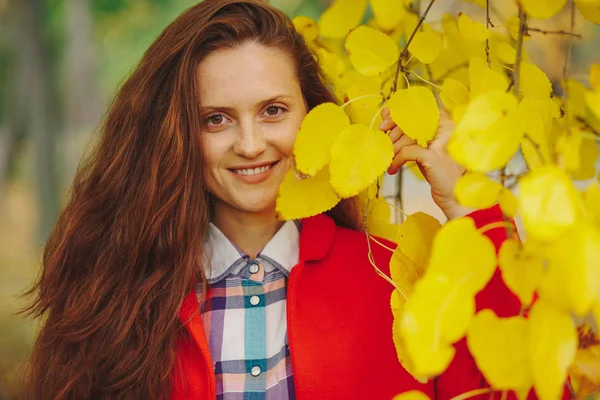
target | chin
x=258, y=205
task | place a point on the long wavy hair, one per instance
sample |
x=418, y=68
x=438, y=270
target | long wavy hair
x=127, y=246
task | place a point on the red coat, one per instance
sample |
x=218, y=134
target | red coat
x=339, y=324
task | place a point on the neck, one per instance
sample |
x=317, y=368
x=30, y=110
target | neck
x=249, y=231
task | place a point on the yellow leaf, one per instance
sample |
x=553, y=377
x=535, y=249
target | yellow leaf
x=435, y=316
x=426, y=46
x=305, y=197
x=489, y=133
x=370, y=51
x=358, y=156
x=572, y=281
x=472, y=30
x=415, y=237
x=397, y=304
x=359, y=114
x=592, y=100
x=331, y=63
x=508, y=203
x=320, y=128
x=578, y=154
x=521, y=268
x=404, y=272
x=388, y=13
x=534, y=82
x=507, y=53
x=591, y=200
x=476, y=190
x=342, y=16
x=307, y=28
x=547, y=202
x=484, y=80
x=512, y=24
x=365, y=86
x=537, y=117
x=412, y=395
x=416, y=113
x=454, y=93
x=595, y=76
x=542, y=9
x=460, y=253
x=379, y=220
x=500, y=348
x=590, y=10
x=553, y=343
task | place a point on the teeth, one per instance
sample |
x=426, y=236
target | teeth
x=252, y=171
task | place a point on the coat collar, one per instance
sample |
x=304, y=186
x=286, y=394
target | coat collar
x=316, y=238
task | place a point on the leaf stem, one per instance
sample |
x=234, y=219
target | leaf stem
x=370, y=254
x=376, y=114
x=405, y=49
x=425, y=80
x=495, y=225
x=359, y=98
x=473, y=393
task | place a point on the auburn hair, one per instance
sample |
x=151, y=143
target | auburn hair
x=127, y=246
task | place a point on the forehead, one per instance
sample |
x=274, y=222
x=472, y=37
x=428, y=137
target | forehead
x=246, y=75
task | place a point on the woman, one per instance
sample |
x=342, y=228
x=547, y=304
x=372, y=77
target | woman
x=168, y=274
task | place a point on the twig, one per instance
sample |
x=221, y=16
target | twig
x=487, y=40
x=587, y=126
x=405, y=49
x=522, y=27
x=577, y=35
x=536, y=146
x=567, y=67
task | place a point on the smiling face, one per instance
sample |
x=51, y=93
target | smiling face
x=252, y=107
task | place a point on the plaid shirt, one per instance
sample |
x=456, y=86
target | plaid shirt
x=244, y=316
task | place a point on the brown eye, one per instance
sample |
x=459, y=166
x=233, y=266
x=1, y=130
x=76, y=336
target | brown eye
x=273, y=110
x=215, y=119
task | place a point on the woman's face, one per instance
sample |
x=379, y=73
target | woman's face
x=252, y=108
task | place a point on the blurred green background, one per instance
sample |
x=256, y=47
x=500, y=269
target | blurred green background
x=61, y=61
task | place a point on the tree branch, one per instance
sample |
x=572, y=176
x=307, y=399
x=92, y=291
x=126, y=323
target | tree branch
x=487, y=40
x=567, y=67
x=405, y=49
x=561, y=32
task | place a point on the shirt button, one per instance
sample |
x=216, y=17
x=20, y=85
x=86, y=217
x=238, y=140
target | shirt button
x=254, y=300
x=254, y=268
x=255, y=370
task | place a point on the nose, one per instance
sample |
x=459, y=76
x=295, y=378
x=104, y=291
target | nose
x=251, y=141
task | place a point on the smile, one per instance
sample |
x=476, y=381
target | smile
x=253, y=171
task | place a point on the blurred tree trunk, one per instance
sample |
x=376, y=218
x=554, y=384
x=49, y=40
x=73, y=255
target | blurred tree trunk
x=35, y=71
x=82, y=98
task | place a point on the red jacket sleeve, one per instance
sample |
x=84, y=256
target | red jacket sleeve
x=463, y=375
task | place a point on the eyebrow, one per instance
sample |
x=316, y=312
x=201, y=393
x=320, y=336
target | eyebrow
x=262, y=103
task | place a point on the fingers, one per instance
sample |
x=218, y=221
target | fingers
x=412, y=152
x=386, y=124
x=385, y=113
x=395, y=134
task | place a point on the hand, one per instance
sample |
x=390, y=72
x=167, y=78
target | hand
x=438, y=168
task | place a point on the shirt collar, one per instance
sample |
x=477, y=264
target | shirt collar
x=283, y=248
